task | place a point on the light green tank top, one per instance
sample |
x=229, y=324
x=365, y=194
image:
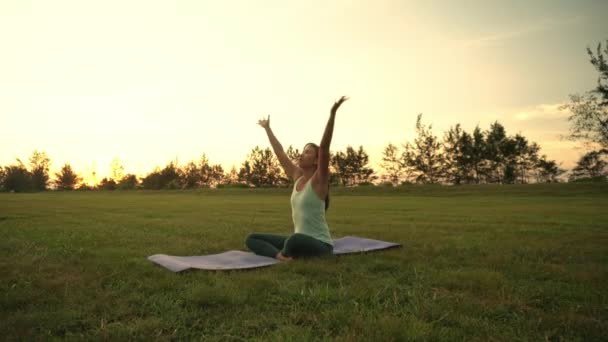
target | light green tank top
x=308, y=213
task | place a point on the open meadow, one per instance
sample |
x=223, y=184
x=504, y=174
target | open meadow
x=510, y=263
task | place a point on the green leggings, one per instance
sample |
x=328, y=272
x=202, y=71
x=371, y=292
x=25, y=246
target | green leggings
x=295, y=246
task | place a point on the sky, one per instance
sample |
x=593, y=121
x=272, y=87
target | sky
x=148, y=82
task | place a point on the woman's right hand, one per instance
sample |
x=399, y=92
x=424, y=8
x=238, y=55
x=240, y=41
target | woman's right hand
x=265, y=123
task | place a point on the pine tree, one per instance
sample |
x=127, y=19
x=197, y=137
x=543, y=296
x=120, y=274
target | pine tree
x=66, y=179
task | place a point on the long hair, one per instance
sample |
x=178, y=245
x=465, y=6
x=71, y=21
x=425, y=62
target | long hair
x=316, y=147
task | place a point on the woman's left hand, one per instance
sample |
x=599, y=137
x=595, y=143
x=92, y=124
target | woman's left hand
x=338, y=103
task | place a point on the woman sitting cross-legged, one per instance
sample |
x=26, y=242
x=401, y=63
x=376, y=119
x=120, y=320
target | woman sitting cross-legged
x=309, y=200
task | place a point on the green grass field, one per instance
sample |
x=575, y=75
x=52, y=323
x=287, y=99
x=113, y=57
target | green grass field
x=510, y=263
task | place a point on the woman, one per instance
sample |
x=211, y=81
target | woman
x=309, y=199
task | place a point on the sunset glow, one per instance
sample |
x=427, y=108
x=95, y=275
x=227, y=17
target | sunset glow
x=149, y=82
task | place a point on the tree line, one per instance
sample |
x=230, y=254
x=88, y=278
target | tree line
x=460, y=157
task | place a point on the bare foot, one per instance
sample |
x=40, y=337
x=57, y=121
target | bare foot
x=281, y=257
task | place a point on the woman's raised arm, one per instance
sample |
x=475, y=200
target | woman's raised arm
x=323, y=161
x=292, y=170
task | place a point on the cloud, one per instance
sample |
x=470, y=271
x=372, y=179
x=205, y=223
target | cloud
x=541, y=112
x=479, y=41
x=540, y=26
x=546, y=124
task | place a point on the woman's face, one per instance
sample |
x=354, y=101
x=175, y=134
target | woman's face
x=308, y=158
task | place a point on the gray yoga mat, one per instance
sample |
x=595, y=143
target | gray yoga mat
x=237, y=260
